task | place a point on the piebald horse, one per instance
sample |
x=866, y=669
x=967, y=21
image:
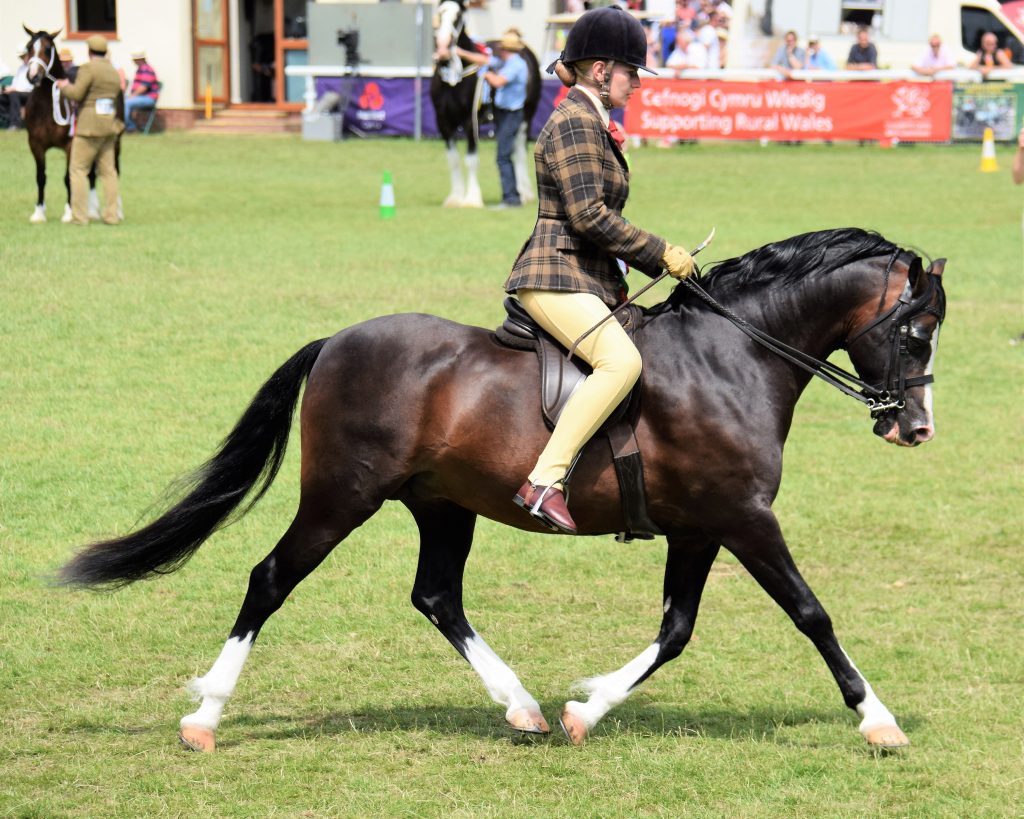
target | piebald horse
x=455, y=92
x=438, y=416
x=48, y=119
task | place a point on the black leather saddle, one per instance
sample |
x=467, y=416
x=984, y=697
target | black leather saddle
x=560, y=377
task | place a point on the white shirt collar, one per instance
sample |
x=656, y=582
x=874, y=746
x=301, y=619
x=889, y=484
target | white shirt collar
x=601, y=110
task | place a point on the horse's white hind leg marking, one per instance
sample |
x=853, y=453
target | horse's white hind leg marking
x=474, y=198
x=66, y=218
x=458, y=190
x=120, y=207
x=38, y=215
x=94, y=204
x=216, y=686
x=523, y=177
x=502, y=683
x=611, y=689
x=877, y=725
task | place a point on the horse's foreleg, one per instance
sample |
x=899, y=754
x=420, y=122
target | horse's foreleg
x=523, y=175
x=310, y=538
x=39, y=214
x=458, y=189
x=446, y=535
x=686, y=571
x=762, y=551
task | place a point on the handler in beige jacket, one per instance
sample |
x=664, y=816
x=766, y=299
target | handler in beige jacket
x=95, y=89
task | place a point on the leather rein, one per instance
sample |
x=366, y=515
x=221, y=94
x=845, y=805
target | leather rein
x=879, y=398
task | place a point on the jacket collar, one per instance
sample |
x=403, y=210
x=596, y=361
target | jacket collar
x=585, y=101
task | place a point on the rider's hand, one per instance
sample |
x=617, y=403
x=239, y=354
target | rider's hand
x=677, y=262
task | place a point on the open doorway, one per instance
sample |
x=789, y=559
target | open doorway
x=257, y=46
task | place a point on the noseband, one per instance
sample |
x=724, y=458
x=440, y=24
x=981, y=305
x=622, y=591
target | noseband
x=61, y=108
x=878, y=398
x=890, y=393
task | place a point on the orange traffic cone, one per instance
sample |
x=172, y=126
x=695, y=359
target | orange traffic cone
x=988, y=153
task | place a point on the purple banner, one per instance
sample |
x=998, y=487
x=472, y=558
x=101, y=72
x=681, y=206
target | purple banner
x=385, y=107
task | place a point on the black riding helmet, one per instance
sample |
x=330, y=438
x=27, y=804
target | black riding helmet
x=607, y=33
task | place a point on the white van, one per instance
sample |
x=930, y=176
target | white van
x=899, y=28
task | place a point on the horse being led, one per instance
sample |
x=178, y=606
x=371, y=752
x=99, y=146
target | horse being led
x=48, y=122
x=455, y=92
x=716, y=412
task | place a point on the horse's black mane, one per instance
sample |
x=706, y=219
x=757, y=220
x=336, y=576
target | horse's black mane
x=788, y=261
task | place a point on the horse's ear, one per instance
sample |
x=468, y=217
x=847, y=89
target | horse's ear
x=915, y=274
x=54, y=35
x=936, y=267
x=28, y=31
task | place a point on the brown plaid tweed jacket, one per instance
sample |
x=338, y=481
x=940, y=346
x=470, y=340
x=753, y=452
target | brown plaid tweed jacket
x=582, y=185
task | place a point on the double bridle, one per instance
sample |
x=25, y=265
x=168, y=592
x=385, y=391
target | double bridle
x=60, y=116
x=880, y=398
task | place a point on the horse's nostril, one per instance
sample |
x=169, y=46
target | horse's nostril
x=922, y=434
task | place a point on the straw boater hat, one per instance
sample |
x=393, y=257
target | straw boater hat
x=139, y=54
x=65, y=55
x=511, y=41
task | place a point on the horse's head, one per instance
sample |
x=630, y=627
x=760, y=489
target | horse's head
x=895, y=353
x=447, y=27
x=42, y=53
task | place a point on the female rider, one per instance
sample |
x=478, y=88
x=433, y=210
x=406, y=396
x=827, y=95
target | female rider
x=567, y=276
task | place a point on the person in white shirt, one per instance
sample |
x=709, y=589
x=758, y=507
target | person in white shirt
x=688, y=53
x=935, y=59
x=14, y=96
x=707, y=35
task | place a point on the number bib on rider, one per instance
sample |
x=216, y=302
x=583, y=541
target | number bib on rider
x=105, y=107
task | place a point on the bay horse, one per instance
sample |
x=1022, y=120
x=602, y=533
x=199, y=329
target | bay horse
x=48, y=122
x=441, y=418
x=455, y=92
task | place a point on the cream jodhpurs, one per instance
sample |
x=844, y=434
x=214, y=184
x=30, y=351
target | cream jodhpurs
x=616, y=364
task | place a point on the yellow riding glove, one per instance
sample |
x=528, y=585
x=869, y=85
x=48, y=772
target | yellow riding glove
x=677, y=262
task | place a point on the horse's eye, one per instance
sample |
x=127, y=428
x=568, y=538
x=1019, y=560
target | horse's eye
x=917, y=346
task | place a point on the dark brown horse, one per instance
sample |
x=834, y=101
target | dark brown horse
x=48, y=122
x=439, y=416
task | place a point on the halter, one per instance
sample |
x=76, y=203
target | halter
x=879, y=398
x=61, y=117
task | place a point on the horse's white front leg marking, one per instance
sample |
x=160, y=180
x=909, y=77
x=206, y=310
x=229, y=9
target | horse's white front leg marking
x=474, y=198
x=501, y=681
x=120, y=207
x=66, y=218
x=608, y=691
x=458, y=190
x=523, y=183
x=219, y=682
x=38, y=215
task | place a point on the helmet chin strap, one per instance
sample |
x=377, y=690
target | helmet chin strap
x=604, y=91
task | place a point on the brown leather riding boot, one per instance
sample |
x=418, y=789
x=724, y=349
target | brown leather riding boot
x=550, y=510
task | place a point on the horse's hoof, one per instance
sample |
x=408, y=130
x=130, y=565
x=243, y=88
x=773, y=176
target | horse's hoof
x=574, y=727
x=886, y=738
x=196, y=738
x=452, y=202
x=37, y=218
x=528, y=721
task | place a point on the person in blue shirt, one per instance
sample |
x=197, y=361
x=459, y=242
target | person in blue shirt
x=507, y=76
x=817, y=59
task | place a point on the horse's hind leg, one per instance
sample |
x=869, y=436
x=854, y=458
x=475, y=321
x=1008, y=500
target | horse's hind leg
x=523, y=173
x=458, y=188
x=316, y=530
x=94, y=198
x=760, y=547
x=66, y=217
x=686, y=571
x=446, y=535
x=474, y=197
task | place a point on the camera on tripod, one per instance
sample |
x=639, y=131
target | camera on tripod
x=349, y=38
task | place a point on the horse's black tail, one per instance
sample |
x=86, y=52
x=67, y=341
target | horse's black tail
x=248, y=458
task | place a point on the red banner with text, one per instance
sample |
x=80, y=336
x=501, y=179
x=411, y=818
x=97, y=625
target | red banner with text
x=699, y=109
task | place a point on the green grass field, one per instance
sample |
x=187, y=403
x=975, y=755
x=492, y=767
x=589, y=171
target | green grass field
x=128, y=352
